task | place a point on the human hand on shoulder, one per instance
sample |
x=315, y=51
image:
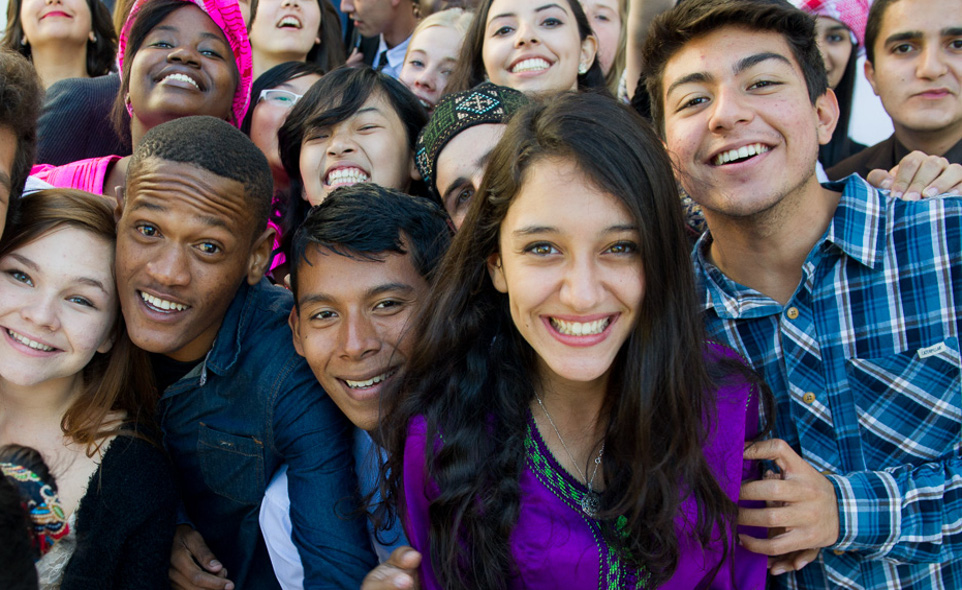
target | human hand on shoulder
x=919, y=175
x=802, y=509
x=399, y=571
x=187, y=553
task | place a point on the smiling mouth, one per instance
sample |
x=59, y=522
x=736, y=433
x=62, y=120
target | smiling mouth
x=162, y=305
x=740, y=155
x=534, y=64
x=580, y=328
x=289, y=22
x=28, y=342
x=181, y=78
x=370, y=382
x=345, y=177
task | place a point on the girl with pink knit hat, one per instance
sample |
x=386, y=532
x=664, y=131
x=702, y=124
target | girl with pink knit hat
x=176, y=58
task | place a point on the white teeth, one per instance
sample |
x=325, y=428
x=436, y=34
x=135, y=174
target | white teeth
x=28, y=342
x=535, y=64
x=580, y=329
x=346, y=177
x=162, y=304
x=182, y=78
x=289, y=21
x=369, y=382
x=740, y=153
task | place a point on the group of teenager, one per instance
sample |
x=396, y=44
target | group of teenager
x=437, y=308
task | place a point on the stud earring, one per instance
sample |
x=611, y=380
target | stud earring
x=23, y=42
x=582, y=69
x=93, y=37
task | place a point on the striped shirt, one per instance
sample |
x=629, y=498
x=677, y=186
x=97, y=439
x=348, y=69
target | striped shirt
x=865, y=367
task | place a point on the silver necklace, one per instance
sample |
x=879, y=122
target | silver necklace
x=591, y=501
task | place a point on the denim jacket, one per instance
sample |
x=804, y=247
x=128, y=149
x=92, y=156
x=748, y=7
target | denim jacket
x=251, y=405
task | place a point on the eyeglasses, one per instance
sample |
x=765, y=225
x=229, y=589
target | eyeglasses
x=280, y=98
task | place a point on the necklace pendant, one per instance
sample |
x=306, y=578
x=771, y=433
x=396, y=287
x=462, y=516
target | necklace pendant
x=590, y=503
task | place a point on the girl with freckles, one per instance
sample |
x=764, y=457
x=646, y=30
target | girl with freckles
x=73, y=387
x=562, y=422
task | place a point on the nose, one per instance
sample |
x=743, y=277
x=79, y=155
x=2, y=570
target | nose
x=359, y=337
x=347, y=6
x=342, y=142
x=169, y=267
x=289, y=3
x=184, y=53
x=931, y=62
x=526, y=35
x=581, y=289
x=728, y=109
x=42, y=312
x=427, y=79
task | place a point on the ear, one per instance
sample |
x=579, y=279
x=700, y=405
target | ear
x=260, y=256
x=496, y=271
x=589, y=49
x=294, y=321
x=826, y=109
x=119, y=205
x=415, y=173
x=317, y=40
x=870, y=76
x=107, y=344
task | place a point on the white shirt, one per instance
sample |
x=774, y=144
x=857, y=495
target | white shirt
x=395, y=56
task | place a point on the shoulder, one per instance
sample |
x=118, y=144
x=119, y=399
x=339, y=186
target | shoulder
x=138, y=465
x=876, y=156
x=87, y=175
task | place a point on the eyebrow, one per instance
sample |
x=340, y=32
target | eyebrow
x=207, y=219
x=742, y=65
x=373, y=292
x=547, y=229
x=539, y=9
x=459, y=181
x=84, y=280
x=205, y=34
x=914, y=35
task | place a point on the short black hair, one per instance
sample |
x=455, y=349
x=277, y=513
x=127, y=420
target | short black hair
x=335, y=98
x=673, y=29
x=214, y=145
x=365, y=221
x=20, y=98
x=873, y=26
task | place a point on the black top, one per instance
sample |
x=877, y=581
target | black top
x=75, y=121
x=125, y=522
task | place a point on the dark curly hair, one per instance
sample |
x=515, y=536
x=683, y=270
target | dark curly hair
x=20, y=98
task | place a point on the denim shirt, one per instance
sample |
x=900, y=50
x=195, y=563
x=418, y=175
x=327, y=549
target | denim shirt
x=252, y=404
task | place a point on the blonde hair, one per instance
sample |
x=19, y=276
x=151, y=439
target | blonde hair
x=454, y=18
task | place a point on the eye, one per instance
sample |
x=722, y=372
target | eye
x=602, y=17
x=551, y=22
x=20, y=277
x=162, y=44
x=416, y=63
x=955, y=44
x=541, y=249
x=324, y=314
x=694, y=102
x=834, y=38
x=502, y=31
x=209, y=248
x=317, y=135
x=81, y=301
x=389, y=304
x=763, y=84
x=210, y=53
x=623, y=247
x=148, y=230
x=463, y=197
x=902, y=48
x=369, y=127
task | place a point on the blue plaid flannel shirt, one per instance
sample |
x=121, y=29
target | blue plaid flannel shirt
x=865, y=367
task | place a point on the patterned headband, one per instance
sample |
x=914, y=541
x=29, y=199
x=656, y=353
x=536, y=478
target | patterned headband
x=41, y=501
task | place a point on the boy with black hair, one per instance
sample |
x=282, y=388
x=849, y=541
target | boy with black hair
x=844, y=298
x=361, y=265
x=236, y=400
x=20, y=98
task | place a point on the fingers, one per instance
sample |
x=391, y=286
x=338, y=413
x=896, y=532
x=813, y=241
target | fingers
x=796, y=540
x=356, y=59
x=919, y=175
x=399, y=571
x=792, y=561
x=774, y=449
x=187, y=553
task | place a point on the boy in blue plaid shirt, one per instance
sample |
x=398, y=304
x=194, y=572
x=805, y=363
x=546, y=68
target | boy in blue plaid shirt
x=842, y=297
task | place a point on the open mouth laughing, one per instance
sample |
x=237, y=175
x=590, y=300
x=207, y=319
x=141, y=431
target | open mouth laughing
x=580, y=328
x=533, y=64
x=741, y=154
x=161, y=305
x=290, y=22
x=370, y=382
x=346, y=176
x=28, y=342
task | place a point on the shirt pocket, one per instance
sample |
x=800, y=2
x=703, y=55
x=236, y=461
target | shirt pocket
x=909, y=406
x=231, y=465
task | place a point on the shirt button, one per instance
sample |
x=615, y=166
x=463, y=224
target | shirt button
x=838, y=552
x=792, y=313
x=808, y=397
